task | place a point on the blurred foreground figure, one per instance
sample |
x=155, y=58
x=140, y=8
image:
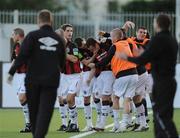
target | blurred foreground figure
x=44, y=52
x=161, y=52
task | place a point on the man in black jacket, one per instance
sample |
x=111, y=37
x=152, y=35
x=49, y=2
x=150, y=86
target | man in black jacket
x=44, y=52
x=162, y=54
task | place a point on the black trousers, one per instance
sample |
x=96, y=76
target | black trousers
x=163, y=97
x=41, y=100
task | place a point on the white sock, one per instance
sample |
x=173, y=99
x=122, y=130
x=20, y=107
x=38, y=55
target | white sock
x=63, y=113
x=130, y=118
x=98, y=110
x=67, y=108
x=104, y=111
x=137, y=120
x=88, y=115
x=141, y=115
x=26, y=112
x=125, y=119
x=73, y=114
x=111, y=111
x=116, y=118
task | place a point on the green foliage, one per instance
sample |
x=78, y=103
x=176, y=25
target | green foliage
x=153, y=6
x=28, y=4
x=113, y=7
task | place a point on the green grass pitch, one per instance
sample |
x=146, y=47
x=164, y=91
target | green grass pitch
x=11, y=121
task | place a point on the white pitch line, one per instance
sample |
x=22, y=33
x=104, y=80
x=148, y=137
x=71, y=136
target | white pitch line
x=91, y=132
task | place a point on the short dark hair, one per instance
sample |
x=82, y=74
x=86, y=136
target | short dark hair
x=64, y=26
x=142, y=27
x=163, y=21
x=91, y=42
x=45, y=16
x=78, y=41
x=19, y=31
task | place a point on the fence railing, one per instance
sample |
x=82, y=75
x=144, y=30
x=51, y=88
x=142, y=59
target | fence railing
x=86, y=25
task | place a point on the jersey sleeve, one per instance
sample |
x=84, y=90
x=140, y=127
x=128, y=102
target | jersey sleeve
x=24, y=54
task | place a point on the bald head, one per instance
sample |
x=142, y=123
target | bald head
x=116, y=34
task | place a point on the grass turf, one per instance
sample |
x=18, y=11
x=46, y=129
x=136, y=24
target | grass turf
x=11, y=121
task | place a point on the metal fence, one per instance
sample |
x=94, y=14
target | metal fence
x=86, y=25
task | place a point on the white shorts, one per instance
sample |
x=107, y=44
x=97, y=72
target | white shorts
x=149, y=84
x=104, y=84
x=62, y=85
x=85, y=89
x=141, y=84
x=125, y=86
x=69, y=84
x=21, y=84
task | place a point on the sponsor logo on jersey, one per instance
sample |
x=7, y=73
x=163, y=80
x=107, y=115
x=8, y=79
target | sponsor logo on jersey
x=48, y=43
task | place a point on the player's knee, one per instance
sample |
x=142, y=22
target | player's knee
x=71, y=99
x=65, y=100
x=87, y=100
x=22, y=98
x=110, y=99
x=105, y=97
x=115, y=98
x=137, y=99
x=60, y=99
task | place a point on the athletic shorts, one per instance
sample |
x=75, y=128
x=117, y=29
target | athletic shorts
x=21, y=85
x=85, y=89
x=69, y=84
x=149, y=84
x=125, y=86
x=104, y=84
x=62, y=86
x=141, y=84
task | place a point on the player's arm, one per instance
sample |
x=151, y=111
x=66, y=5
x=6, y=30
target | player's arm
x=86, y=62
x=62, y=54
x=145, y=46
x=25, y=52
x=108, y=58
x=71, y=58
x=154, y=50
x=128, y=25
x=91, y=75
x=13, y=55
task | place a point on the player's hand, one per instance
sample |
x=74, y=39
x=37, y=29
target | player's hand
x=72, y=58
x=95, y=52
x=9, y=79
x=138, y=51
x=128, y=25
x=91, y=65
x=101, y=33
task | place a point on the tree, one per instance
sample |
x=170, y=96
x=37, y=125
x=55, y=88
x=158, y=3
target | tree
x=29, y=4
x=155, y=5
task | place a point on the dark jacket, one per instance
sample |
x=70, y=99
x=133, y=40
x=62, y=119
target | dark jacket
x=161, y=52
x=44, y=52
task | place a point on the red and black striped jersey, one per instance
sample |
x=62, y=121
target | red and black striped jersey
x=102, y=53
x=16, y=50
x=86, y=54
x=70, y=67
